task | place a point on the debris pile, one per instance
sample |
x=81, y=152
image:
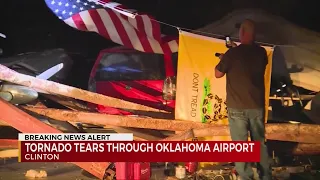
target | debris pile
x=36, y=174
x=149, y=125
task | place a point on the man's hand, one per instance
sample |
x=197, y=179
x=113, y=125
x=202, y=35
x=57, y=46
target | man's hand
x=221, y=55
x=217, y=73
x=221, y=65
x=233, y=44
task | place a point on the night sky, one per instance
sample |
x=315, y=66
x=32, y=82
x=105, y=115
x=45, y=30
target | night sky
x=31, y=26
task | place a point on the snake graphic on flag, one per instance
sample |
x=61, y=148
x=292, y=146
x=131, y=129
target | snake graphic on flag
x=213, y=107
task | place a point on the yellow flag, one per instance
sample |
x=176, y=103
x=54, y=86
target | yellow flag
x=200, y=96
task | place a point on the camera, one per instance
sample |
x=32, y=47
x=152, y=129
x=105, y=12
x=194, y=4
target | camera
x=228, y=42
x=228, y=45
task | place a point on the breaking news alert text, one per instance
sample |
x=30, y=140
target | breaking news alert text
x=85, y=147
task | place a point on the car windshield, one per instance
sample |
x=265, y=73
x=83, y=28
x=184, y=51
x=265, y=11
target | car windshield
x=129, y=66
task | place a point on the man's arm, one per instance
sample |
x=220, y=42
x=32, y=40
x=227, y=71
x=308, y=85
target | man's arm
x=222, y=67
x=265, y=58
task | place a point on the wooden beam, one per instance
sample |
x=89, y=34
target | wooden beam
x=8, y=143
x=304, y=133
x=288, y=148
x=115, y=120
x=9, y=153
x=68, y=102
x=145, y=134
x=181, y=136
x=51, y=87
x=138, y=134
x=291, y=148
x=23, y=122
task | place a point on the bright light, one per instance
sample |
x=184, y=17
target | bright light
x=2, y=35
x=294, y=122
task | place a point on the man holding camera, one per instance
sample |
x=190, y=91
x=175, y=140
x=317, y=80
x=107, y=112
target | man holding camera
x=244, y=66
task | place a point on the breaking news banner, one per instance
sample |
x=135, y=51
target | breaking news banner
x=112, y=147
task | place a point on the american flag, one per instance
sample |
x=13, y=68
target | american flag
x=141, y=32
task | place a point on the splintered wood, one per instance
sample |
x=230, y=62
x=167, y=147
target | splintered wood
x=25, y=123
x=301, y=139
x=114, y=120
x=304, y=133
x=9, y=153
x=51, y=87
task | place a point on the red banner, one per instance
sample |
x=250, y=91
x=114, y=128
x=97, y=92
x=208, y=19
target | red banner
x=135, y=151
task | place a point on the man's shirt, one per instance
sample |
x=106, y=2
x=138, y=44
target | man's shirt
x=244, y=66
